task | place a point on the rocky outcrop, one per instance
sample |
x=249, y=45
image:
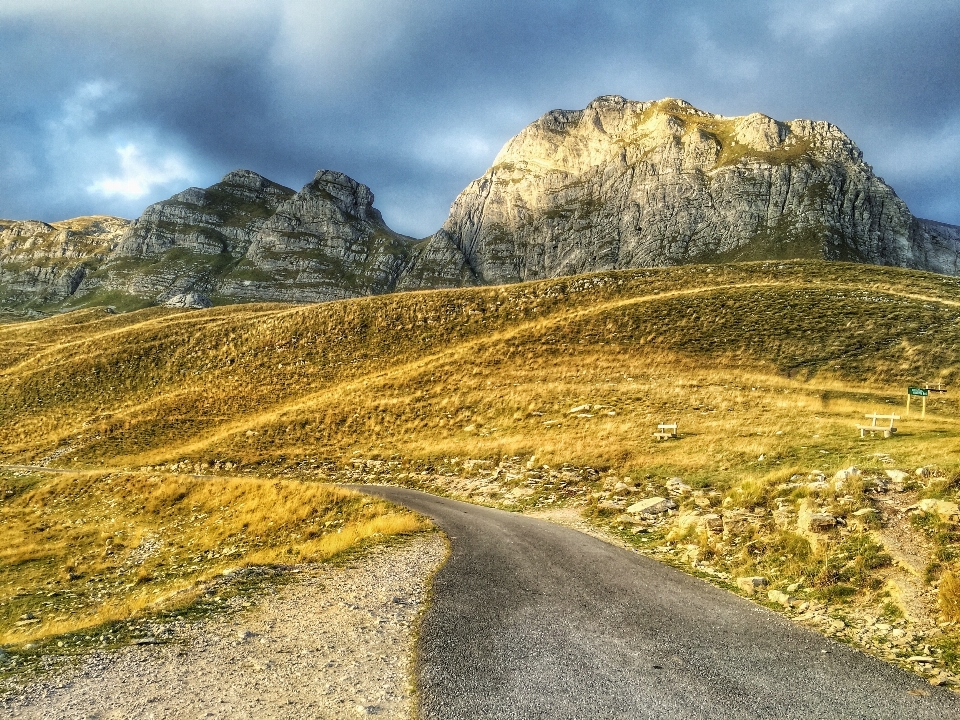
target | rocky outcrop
x=42, y=265
x=324, y=243
x=633, y=184
x=247, y=238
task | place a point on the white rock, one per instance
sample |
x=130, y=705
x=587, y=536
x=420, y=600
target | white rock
x=850, y=473
x=652, y=506
x=898, y=476
x=942, y=508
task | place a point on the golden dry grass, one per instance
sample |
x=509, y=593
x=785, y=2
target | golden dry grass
x=949, y=595
x=734, y=353
x=79, y=551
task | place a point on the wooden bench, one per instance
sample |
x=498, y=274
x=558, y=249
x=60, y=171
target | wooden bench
x=666, y=432
x=873, y=428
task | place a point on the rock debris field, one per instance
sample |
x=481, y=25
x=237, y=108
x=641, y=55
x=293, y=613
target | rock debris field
x=335, y=643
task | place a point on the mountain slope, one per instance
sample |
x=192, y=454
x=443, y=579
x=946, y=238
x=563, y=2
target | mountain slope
x=547, y=393
x=640, y=184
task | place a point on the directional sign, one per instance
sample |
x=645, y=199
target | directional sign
x=920, y=392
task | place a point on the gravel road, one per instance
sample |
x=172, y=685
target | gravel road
x=532, y=620
x=335, y=643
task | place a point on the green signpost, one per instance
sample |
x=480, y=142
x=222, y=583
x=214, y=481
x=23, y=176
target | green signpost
x=918, y=392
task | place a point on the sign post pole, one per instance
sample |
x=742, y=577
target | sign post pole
x=922, y=394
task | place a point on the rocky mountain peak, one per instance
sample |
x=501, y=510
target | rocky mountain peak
x=347, y=194
x=625, y=183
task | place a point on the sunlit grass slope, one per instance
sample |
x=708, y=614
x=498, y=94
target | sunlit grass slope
x=83, y=550
x=733, y=353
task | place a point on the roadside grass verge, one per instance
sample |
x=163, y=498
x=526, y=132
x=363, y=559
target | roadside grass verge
x=86, y=550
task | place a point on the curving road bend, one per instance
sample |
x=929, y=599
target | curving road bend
x=533, y=620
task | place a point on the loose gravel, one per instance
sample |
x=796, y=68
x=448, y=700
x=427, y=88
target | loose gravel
x=335, y=643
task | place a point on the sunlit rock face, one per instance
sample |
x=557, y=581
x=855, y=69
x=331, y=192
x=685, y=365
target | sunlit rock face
x=43, y=264
x=631, y=184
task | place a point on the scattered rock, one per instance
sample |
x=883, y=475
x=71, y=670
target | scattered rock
x=750, y=585
x=189, y=301
x=946, y=510
x=713, y=523
x=652, y=506
x=579, y=409
x=781, y=598
x=844, y=477
x=676, y=486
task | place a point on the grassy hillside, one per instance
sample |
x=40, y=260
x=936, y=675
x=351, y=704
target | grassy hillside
x=733, y=353
x=546, y=394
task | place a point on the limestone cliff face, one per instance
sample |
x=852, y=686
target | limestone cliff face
x=324, y=243
x=247, y=238
x=44, y=263
x=632, y=184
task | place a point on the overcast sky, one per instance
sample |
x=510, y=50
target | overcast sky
x=109, y=105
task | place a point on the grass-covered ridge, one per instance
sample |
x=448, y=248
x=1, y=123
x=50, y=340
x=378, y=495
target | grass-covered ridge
x=406, y=373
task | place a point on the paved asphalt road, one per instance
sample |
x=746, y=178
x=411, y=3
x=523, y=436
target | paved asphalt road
x=532, y=620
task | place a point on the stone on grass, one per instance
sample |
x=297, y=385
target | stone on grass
x=942, y=508
x=750, y=585
x=781, y=598
x=713, y=523
x=822, y=522
x=898, y=476
x=652, y=506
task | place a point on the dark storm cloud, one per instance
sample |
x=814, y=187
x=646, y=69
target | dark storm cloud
x=108, y=107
